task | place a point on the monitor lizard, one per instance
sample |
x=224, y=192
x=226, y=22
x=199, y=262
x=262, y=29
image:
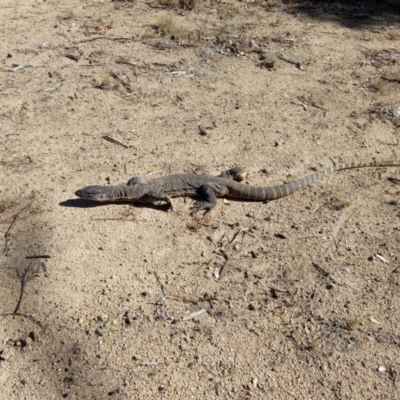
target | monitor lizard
x=207, y=187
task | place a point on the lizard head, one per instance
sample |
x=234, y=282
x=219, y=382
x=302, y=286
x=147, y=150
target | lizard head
x=96, y=193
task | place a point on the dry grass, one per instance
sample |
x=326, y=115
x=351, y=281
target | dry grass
x=167, y=25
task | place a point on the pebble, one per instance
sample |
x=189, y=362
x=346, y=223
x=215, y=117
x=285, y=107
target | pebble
x=5, y=354
x=102, y=318
x=128, y=318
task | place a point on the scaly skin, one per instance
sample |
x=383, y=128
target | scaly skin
x=207, y=186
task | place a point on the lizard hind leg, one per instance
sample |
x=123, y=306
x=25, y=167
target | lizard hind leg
x=208, y=193
x=236, y=173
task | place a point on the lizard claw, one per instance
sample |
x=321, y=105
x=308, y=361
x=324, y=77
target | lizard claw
x=201, y=205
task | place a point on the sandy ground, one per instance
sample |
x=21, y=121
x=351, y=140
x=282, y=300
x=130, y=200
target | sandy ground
x=294, y=299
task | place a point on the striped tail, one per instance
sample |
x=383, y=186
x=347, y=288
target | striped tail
x=276, y=192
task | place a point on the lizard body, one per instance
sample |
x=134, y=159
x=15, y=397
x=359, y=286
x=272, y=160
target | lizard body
x=208, y=187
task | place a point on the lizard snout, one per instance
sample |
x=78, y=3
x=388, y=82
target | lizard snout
x=92, y=193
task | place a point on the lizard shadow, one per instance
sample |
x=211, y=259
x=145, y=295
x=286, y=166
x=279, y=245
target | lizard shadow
x=82, y=203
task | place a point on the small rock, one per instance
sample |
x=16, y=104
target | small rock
x=382, y=368
x=102, y=318
x=267, y=61
x=329, y=286
x=98, y=332
x=254, y=253
x=113, y=392
x=128, y=318
x=202, y=131
x=5, y=354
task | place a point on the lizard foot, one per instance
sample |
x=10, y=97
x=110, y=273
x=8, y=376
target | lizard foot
x=200, y=206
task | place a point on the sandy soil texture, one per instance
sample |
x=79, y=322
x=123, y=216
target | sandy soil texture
x=297, y=298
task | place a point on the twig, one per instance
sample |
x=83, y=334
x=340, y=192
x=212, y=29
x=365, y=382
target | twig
x=40, y=256
x=15, y=217
x=243, y=231
x=325, y=273
x=106, y=37
x=110, y=139
x=23, y=316
x=193, y=315
x=185, y=299
x=159, y=282
x=393, y=180
x=295, y=63
x=28, y=274
x=216, y=245
x=311, y=103
x=113, y=219
x=320, y=269
x=311, y=237
x=386, y=78
x=121, y=81
x=192, y=300
x=23, y=281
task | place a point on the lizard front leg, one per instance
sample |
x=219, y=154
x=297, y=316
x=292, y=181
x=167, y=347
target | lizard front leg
x=135, y=180
x=209, y=193
x=152, y=196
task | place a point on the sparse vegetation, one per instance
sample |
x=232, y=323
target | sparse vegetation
x=170, y=3
x=341, y=204
x=167, y=25
x=352, y=323
x=176, y=4
x=385, y=85
x=107, y=83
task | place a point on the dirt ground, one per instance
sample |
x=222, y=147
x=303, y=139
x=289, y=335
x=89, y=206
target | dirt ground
x=294, y=299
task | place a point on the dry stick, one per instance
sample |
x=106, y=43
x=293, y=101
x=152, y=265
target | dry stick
x=23, y=316
x=387, y=78
x=110, y=139
x=393, y=180
x=23, y=279
x=295, y=63
x=15, y=217
x=224, y=267
x=121, y=81
x=106, y=37
x=40, y=256
x=325, y=273
x=28, y=274
x=311, y=103
x=113, y=219
x=183, y=298
x=159, y=282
